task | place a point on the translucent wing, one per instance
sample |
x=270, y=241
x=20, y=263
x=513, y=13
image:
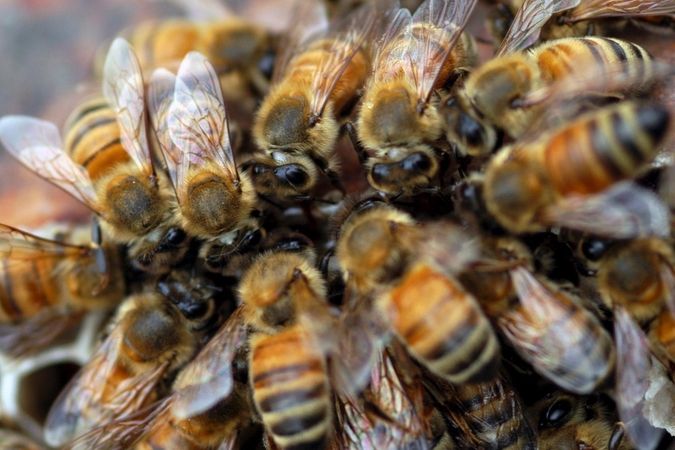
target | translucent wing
x=30, y=335
x=208, y=378
x=393, y=44
x=527, y=23
x=344, y=40
x=555, y=335
x=124, y=90
x=92, y=399
x=17, y=245
x=632, y=379
x=387, y=418
x=160, y=96
x=600, y=9
x=198, y=122
x=445, y=244
x=37, y=145
x=310, y=21
x=361, y=334
x=202, y=10
x=436, y=27
x=124, y=433
x=624, y=211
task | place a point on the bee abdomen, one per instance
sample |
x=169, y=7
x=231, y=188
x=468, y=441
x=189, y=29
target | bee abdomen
x=290, y=389
x=92, y=137
x=604, y=147
x=26, y=289
x=443, y=326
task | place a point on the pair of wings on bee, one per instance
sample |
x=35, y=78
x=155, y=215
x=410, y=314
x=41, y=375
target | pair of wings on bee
x=186, y=109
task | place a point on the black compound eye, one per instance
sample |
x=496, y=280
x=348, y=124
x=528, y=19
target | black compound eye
x=193, y=310
x=593, y=248
x=293, y=174
x=175, y=236
x=556, y=415
x=251, y=239
x=417, y=162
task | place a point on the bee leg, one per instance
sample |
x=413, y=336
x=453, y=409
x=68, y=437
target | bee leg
x=323, y=265
x=356, y=145
x=456, y=75
x=101, y=258
x=615, y=439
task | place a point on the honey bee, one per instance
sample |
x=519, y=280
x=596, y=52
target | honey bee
x=568, y=176
x=391, y=412
x=47, y=284
x=487, y=415
x=662, y=339
x=216, y=201
x=640, y=276
x=149, y=342
x=208, y=407
x=394, y=261
x=570, y=421
x=494, y=95
x=577, y=18
x=107, y=164
x=315, y=82
x=398, y=120
x=549, y=327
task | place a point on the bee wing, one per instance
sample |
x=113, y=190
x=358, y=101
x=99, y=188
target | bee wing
x=198, y=121
x=527, y=23
x=124, y=89
x=361, y=334
x=550, y=334
x=207, y=379
x=310, y=22
x=124, y=433
x=37, y=145
x=84, y=404
x=449, y=247
x=204, y=10
x=160, y=96
x=600, y=9
x=33, y=334
x=346, y=38
x=623, y=211
x=633, y=365
x=442, y=23
x=17, y=245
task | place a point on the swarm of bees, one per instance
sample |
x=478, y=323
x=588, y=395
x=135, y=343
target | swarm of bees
x=373, y=242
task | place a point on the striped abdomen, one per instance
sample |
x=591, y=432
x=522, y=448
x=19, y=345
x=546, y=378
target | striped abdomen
x=603, y=147
x=495, y=415
x=575, y=56
x=443, y=326
x=290, y=389
x=92, y=137
x=28, y=286
x=563, y=341
x=663, y=331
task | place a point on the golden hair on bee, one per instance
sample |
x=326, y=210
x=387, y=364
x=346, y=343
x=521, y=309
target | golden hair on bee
x=148, y=341
x=106, y=164
x=214, y=197
x=317, y=78
x=398, y=121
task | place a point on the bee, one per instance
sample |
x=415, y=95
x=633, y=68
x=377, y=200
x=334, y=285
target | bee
x=48, y=284
x=315, y=82
x=576, y=18
x=190, y=417
x=569, y=175
x=398, y=120
x=216, y=201
x=571, y=421
x=149, y=341
x=662, y=339
x=549, y=327
x=495, y=94
x=391, y=412
x=388, y=257
x=487, y=415
x=639, y=275
x=106, y=163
